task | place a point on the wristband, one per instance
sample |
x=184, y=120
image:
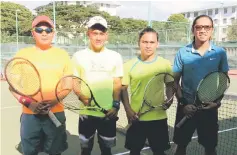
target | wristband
x=25, y=101
x=116, y=104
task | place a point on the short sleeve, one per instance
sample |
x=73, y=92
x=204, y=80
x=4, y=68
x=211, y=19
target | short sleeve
x=118, y=71
x=224, y=67
x=126, y=78
x=178, y=63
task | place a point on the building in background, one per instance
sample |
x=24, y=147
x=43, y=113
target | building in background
x=107, y=6
x=222, y=16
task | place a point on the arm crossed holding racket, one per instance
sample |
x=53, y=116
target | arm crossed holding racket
x=32, y=76
x=200, y=71
x=147, y=92
x=98, y=71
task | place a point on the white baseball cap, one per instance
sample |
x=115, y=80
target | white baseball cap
x=97, y=20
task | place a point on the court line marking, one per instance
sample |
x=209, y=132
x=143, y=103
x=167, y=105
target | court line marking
x=10, y=107
x=194, y=137
x=127, y=152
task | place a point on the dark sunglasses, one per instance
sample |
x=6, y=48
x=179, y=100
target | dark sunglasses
x=200, y=27
x=40, y=30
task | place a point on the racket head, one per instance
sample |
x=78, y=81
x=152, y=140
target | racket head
x=213, y=86
x=74, y=93
x=22, y=76
x=159, y=88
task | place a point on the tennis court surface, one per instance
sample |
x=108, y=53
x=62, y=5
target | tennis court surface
x=10, y=128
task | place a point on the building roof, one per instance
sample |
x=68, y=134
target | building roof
x=208, y=8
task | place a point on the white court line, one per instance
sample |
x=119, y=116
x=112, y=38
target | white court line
x=194, y=137
x=10, y=107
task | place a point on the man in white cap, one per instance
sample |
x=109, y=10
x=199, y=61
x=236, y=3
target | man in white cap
x=102, y=69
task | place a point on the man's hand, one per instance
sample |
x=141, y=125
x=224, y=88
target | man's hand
x=30, y=103
x=37, y=107
x=85, y=100
x=189, y=110
x=210, y=105
x=46, y=105
x=112, y=113
x=131, y=115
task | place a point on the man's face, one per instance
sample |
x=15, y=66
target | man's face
x=97, y=38
x=203, y=29
x=43, y=34
x=148, y=44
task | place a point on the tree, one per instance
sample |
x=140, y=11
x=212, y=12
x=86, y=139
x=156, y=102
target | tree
x=178, y=28
x=72, y=18
x=71, y=21
x=8, y=18
x=232, y=31
x=177, y=18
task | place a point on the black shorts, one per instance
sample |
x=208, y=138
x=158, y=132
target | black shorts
x=105, y=128
x=155, y=131
x=206, y=123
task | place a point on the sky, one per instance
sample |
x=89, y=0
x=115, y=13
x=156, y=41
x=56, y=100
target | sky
x=159, y=9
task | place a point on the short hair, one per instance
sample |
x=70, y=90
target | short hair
x=147, y=30
x=98, y=27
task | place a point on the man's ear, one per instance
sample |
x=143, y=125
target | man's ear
x=157, y=44
x=107, y=35
x=32, y=33
x=88, y=33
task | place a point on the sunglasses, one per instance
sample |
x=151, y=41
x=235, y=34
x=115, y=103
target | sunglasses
x=40, y=30
x=200, y=27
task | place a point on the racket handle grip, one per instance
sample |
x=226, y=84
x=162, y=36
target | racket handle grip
x=54, y=119
x=183, y=120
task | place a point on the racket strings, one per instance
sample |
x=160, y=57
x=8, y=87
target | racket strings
x=22, y=76
x=73, y=93
x=213, y=87
x=169, y=88
x=154, y=91
x=160, y=89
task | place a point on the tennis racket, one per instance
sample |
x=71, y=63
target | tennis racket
x=75, y=94
x=210, y=89
x=160, y=86
x=24, y=79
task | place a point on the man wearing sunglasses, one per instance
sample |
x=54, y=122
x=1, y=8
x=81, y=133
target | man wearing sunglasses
x=102, y=69
x=38, y=133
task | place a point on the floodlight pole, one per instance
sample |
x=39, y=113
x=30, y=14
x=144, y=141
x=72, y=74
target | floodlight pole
x=149, y=15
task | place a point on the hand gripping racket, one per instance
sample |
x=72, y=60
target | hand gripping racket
x=24, y=79
x=210, y=89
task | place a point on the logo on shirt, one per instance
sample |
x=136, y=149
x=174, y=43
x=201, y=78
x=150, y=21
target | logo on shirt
x=97, y=66
x=212, y=58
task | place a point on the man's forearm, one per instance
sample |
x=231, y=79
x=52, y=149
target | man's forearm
x=117, y=89
x=125, y=98
x=177, y=77
x=21, y=99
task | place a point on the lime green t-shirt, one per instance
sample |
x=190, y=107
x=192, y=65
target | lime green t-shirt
x=137, y=74
x=98, y=70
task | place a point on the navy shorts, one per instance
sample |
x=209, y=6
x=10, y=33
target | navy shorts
x=156, y=132
x=39, y=134
x=105, y=128
x=206, y=123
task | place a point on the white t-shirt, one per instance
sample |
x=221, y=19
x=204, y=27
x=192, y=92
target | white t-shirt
x=98, y=70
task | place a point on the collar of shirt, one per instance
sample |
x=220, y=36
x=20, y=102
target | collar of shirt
x=209, y=49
